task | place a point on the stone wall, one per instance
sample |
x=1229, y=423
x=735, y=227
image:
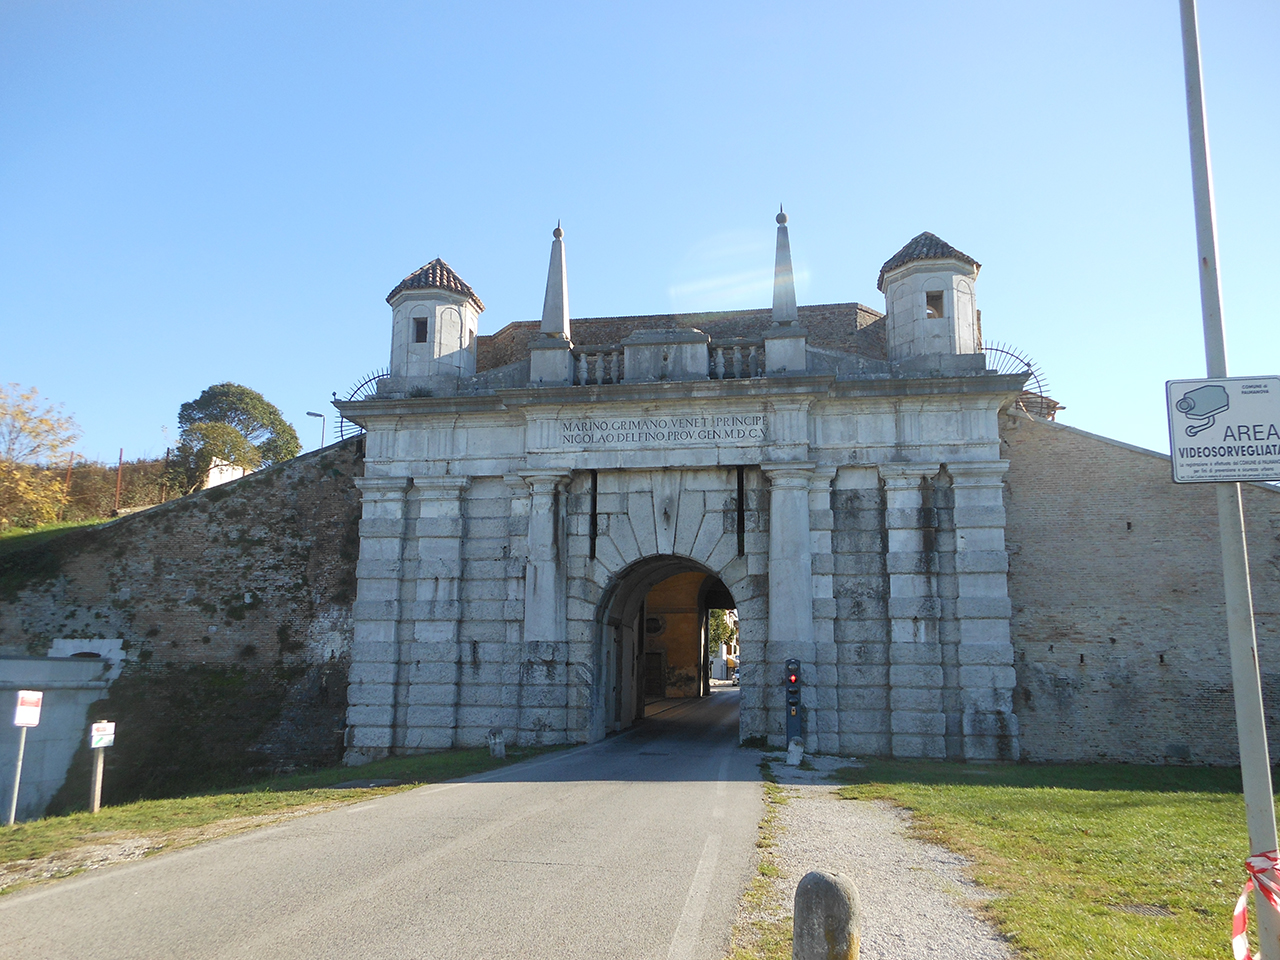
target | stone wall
x=1118, y=616
x=674, y=635
x=249, y=585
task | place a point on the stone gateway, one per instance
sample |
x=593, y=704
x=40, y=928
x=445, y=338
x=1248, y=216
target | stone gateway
x=550, y=513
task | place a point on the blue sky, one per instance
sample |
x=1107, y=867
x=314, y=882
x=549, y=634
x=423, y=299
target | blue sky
x=201, y=192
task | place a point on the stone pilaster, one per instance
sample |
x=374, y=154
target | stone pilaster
x=375, y=653
x=987, y=677
x=917, y=722
x=790, y=589
x=516, y=565
x=824, y=732
x=544, y=670
x=427, y=708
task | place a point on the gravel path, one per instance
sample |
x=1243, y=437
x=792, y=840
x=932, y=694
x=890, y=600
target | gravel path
x=916, y=900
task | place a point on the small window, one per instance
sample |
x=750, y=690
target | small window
x=421, y=333
x=933, y=303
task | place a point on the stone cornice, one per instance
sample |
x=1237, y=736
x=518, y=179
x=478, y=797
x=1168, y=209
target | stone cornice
x=906, y=474
x=1006, y=387
x=656, y=391
x=437, y=487
x=990, y=384
x=794, y=474
x=374, y=486
x=974, y=473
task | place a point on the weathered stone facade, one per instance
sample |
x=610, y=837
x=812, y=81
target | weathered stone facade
x=850, y=505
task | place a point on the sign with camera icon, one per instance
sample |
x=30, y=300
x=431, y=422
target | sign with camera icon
x=1225, y=430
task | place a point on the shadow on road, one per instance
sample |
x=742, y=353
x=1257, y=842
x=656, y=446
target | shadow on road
x=680, y=740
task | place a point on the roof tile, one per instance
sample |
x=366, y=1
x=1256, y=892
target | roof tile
x=436, y=275
x=926, y=246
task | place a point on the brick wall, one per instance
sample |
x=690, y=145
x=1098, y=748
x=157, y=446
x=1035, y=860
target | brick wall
x=1118, y=623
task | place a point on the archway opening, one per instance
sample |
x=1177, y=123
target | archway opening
x=658, y=638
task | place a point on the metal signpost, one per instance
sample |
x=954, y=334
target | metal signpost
x=101, y=735
x=26, y=715
x=1199, y=417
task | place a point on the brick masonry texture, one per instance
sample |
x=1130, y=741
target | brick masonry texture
x=1119, y=625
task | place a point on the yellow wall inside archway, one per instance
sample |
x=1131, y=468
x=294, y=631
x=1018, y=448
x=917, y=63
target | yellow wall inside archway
x=672, y=606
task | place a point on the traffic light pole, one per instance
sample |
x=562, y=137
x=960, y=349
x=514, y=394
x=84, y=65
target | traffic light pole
x=795, y=718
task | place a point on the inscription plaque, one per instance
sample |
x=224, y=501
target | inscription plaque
x=690, y=430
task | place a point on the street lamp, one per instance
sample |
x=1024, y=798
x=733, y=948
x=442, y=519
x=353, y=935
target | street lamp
x=321, y=416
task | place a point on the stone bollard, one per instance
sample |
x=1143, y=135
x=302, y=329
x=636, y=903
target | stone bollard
x=795, y=752
x=497, y=743
x=827, y=924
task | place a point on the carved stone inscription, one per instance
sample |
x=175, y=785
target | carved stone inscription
x=693, y=430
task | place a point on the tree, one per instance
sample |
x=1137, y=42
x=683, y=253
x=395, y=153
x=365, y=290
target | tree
x=32, y=435
x=723, y=632
x=259, y=421
x=233, y=424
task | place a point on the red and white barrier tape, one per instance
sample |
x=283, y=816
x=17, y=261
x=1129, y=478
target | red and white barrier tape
x=1257, y=866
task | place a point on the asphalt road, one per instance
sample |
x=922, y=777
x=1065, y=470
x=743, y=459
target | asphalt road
x=635, y=847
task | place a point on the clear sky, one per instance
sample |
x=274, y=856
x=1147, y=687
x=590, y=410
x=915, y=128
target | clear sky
x=197, y=192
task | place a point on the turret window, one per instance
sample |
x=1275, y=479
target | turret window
x=421, y=331
x=933, y=303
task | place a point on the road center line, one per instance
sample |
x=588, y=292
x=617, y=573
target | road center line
x=695, y=904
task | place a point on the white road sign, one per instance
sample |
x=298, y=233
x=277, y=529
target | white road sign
x=28, y=712
x=1224, y=430
x=102, y=734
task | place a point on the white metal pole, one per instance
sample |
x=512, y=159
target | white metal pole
x=17, y=776
x=95, y=796
x=1255, y=763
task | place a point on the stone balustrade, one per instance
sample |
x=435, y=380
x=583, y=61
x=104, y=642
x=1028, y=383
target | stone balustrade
x=736, y=359
x=594, y=365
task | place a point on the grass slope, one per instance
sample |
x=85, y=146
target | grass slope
x=1091, y=861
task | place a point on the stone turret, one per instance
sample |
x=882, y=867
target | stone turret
x=929, y=302
x=434, y=320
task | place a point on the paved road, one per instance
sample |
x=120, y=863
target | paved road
x=636, y=847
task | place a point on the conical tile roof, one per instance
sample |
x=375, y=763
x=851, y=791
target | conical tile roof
x=927, y=246
x=436, y=275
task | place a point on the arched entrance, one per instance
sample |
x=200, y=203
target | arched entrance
x=654, y=635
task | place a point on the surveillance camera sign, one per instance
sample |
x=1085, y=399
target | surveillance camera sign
x=1224, y=431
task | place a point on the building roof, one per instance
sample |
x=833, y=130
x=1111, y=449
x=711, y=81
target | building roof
x=842, y=327
x=926, y=246
x=436, y=275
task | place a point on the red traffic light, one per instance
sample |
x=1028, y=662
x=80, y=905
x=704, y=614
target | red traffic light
x=792, y=678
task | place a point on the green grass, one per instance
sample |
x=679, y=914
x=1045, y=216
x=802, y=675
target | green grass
x=172, y=820
x=766, y=934
x=21, y=538
x=1066, y=846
